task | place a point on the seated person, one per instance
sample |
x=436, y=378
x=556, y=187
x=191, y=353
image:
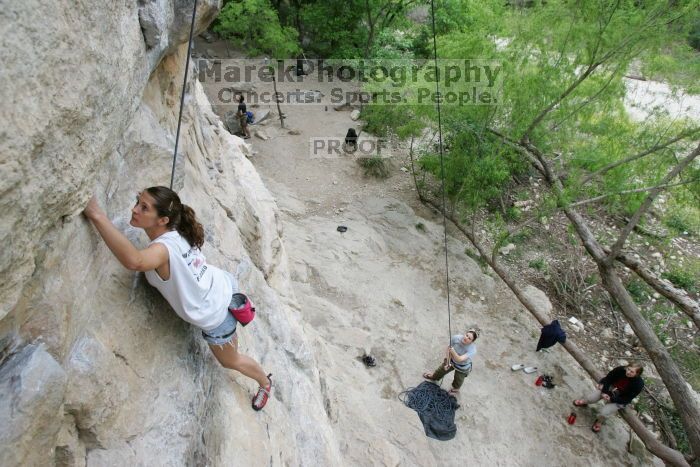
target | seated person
x=617, y=389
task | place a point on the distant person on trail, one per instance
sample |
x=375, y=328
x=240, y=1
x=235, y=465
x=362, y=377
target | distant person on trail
x=459, y=358
x=242, y=115
x=617, y=389
x=174, y=264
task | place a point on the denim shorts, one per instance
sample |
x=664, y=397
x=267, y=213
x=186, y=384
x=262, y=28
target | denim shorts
x=222, y=334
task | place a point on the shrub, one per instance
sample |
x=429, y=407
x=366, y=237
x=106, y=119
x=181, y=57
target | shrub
x=637, y=290
x=374, y=166
x=683, y=278
x=694, y=35
x=677, y=222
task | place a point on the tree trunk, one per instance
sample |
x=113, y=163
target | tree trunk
x=668, y=370
x=370, y=26
x=680, y=392
x=663, y=452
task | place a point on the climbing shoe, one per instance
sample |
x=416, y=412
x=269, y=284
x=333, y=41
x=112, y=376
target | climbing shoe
x=260, y=399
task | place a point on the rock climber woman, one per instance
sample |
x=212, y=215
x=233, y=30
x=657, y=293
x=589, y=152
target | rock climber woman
x=174, y=264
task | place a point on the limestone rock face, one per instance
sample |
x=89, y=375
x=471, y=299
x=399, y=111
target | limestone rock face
x=32, y=385
x=102, y=371
x=74, y=73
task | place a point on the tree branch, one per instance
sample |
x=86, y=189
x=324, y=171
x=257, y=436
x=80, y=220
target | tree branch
x=589, y=100
x=636, y=190
x=617, y=247
x=592, y=65
x=677, y=387
x=518, y=147
x=591, y=68
x=651, y=150
x=677, y=296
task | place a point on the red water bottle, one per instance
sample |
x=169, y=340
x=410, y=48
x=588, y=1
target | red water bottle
x=538, y=381
x=572, y=418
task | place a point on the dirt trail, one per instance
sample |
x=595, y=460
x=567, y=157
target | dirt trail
x=380, y=287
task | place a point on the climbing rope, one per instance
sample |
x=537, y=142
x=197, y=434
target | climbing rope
x=429, y=398
x=182, y=95
x=435, y=408
x=442, y=171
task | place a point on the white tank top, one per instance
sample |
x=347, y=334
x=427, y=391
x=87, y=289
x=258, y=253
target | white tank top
x=198, y=292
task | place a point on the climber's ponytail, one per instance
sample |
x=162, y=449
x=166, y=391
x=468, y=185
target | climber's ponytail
x=181, y=217
x=190, y=228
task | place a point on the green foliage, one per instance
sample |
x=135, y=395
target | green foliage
x=682, y=212
x=463, y=28
x=678, y=223
x=614, y=137
x=420, y=226
x=477, y=258
x=674, y=420
x=638, y=291
x=345, y=29
x=540, y=264
x=256, y=24
x=334, y=28
x=694, y=33
x=374, y=166
x=381, y=120
x=553, y=44
x=591, y=279
x=477, y=168
x=546, y=49
x=690, y=363
x=522, y=235
x=686, y=277
x=513, y=214
x=675, y=58
x=679, y=64
x=393, y=44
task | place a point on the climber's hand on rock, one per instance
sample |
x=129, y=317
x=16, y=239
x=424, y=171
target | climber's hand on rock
x=92, y=210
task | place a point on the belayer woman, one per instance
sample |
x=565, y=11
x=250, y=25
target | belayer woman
x=174, y=264
x=459, y=358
